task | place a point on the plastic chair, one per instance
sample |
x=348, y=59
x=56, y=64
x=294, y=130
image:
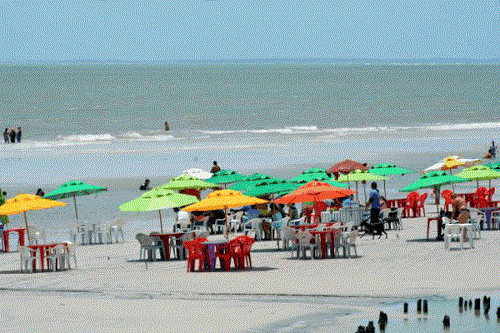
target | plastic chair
x=420, y=205
x=288, y=237
x=71, y=253
x=236, y=221
x=477, y=219
x=453, y=232
x=37, y=235
x=480, y=197
x=57, y=256
x=200, y=225
x=246, y=246
x=220, y=226
x=254, y=225
x=75, y=233
x=227, y=253
x=116, y=229
x=299, y=221
x=495, y=219
x=410, y=204
x=448, y=199
x=277, y=228
x=195, y=252
x=149, y=246
x=306, y=241
x=177, y=244
x=183, y=225
x=27, y=258
x=350, y=243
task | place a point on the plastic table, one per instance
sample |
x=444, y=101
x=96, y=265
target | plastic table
x=322, y=236
x=209, y=250
x=42, y=249
x=165, y=239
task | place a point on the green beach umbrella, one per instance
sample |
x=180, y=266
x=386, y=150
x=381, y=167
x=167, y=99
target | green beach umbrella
x=433, y=179
x=73, y=189
x=493, y=166
x=359, y=175
x=479, y=172
x=326, y=180
x=250, y=181
x=271, y=186
x=225, y=177
x=387, y=169
x=157, y=200
x=310, y=175
x=184, y=182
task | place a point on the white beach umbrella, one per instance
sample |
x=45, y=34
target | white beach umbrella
x=198, y=173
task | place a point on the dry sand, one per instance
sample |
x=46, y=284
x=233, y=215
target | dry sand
x=113, y=291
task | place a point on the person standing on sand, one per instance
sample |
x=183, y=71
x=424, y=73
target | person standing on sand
x=6, y=136
x=12, y=135
x=374, y=204
x=215, y=168
x=19, y=135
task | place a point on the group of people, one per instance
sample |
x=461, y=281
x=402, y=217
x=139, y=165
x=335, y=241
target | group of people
x=12, y=135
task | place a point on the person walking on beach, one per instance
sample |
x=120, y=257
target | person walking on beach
x=215, y=168
x=40, y=192
x=374, y=204
x=493, y=150
x=12, y=135
x=19, y=135
x=6, y=136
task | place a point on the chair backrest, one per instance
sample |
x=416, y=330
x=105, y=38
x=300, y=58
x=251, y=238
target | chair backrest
x=236, y=217
x=59, y=249
x=199, y=240
x=25, y=251
x=299, y=221
x=254, y=223
x=289, y=233
x=454, y=229
x=385, y=213
x=352, y=236
x=304, y=237
x=447, y=195
x=421, y=199
x=412, y=197
x=491, y=191
x=195, y=249
x=399, y=213
x=348, y=226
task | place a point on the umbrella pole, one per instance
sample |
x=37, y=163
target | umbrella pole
x=356, y=191
x=227, y=223
x=27, y=228
x=76, y=210
x=364, y=189
x=385, y=193
x=477, y=184
x=161, y=222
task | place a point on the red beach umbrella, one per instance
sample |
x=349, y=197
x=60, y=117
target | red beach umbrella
x=345, y=167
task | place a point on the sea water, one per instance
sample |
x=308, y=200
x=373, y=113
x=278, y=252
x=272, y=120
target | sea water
x=105, y=124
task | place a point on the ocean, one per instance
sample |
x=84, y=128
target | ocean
x=105, y=123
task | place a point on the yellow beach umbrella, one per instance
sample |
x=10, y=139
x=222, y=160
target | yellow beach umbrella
x=25, y=202
x=224, y=199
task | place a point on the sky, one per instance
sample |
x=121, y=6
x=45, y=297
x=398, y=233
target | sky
x=221, y=30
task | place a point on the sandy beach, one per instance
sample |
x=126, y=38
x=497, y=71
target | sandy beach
x=113, y=291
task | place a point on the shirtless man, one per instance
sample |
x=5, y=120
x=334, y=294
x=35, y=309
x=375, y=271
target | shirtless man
x=459, y=209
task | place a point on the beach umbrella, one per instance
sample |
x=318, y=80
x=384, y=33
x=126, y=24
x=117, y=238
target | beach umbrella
x=314, y=191
x=479, y=172
x=326, y=180
x=250, y=181
x=452, y=162
x=224, y=199
x=360, y=176
x=198, y=173
x=493, y=166
x=310, y=175
x=157, y=200
x=74, y=189
x=387, y=169
x=25, y=202
x=186, y=182
x=271, y=186
x=346, y=167
x=434, y=179
x=225, y=177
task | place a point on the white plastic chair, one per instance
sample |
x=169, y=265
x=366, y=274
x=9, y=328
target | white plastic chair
x=220, y=226
x=299, y=221
x=306, y=241
x=183, y=225
x=453, y=232
x=288, y=237
x=349, y=242
x=236, y=221
x=476, y=218
x=254, y=225
x=37, y=235
x=116, y=229
x=27, y=258
x=177, y=244
x=149, y=246
x=71, y=253
x=57, y=256
x=495, y=219
x=277, y=228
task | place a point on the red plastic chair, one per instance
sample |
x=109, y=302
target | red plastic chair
x=245, y=247
x=227, y=253
x=200, y=239
x=480, y=200
x=447, y=195
x=318, y=208
x=410, y=203
x=195, y=252
x=420, y=205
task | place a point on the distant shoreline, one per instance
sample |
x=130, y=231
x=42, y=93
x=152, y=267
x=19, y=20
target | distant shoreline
x=254, y=61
